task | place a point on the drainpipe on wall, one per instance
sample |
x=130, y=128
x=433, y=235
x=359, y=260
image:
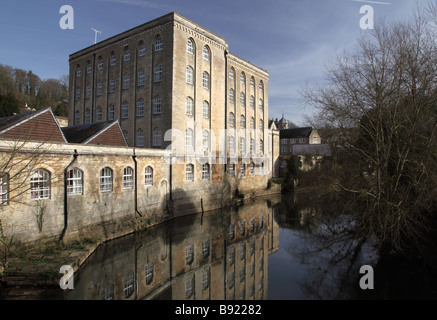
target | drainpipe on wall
x=134, y=157
x=75, y=155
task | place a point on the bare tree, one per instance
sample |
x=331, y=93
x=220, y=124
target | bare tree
x=382, y=100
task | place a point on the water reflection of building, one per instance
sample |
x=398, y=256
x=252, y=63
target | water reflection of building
x=218, y=255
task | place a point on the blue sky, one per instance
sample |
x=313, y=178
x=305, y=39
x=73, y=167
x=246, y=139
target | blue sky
x=292, y=39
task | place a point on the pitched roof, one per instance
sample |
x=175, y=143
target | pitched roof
x=39, y=125
x=85, y=133
x=296, y=133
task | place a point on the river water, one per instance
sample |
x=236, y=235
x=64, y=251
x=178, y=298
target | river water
x=264, y=249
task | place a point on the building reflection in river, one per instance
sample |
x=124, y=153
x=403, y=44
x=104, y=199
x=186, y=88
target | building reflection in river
x=218, y=255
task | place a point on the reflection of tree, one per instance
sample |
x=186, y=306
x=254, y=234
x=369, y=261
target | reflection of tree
x=333, y=257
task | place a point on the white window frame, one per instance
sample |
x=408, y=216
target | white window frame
x=106, y=179
x=206, y=53
x=111, y=112
x=126, y=56
x=189, y=137
x=206, y=172
x=126, y=81
x=205, y=80
x=74, y=182
x=205, y=109
x=142, y=49
x=189, y=106
x=148, y=175
x=141, y=77
x=128, y=178
x=190, y=46
x=4, y=188
x=157, y=105
x=189, y=75
x=189, y=172
x=159, y=44
x=125, y=110
x=140, y=108
x=40, y=185
x=157, y=74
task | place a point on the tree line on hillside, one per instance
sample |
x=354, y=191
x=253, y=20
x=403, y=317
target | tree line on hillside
x=20, y=88
x=378, y=110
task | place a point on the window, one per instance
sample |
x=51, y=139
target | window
x=76, y=117
x=156, y=137
x=205, y=110
x=126, y=56
x=261, y=86
x=128, y=287
x=252, y=146
x=190, y=46
x=205, y=80
x=126, y=81
x=4, y=188
x=242, y=99
x=106, y=179
x=231, y=74
x=125, y=110
x=189, y=254
x=231, y=145
x=189, y=138
x=74, y=182
x=301, y=140
x=112, y=85
x=140, y=108
x=261, y=124
x=159, y=44
x=189, y=75
x=189, y=172
x=88, y=91
x=252, y=82
x=232, y=231
x=243, y=79
x=128, y=178
x=252, y=102
x=87, y=116
x=188, y=287
x=242, y=227
x=205, y=248
x=261, y=221
x=284, y=141
x=89, y=68
x=252, y=168
x=140, y=138
x=158, y=73
x=231, y=120
x=205, y=139
x=157, y=105
x=242, y=145
x=108, y=292
x=111, y=112
x=292, y=141
x=206, y=54
x=141, y=77
x=189, y=106
x=99, y=88
x=231, y=96
x=242, y=122
x=40, y=185
x=78, y=72
x=261, y=105
x=113, y=60
x=242, y=250
x=261, y=146
x=77, y=94
x=232, y=170
x=142, y=49
x=243, y=170
x=126, y=136
x=149, y=273
x=100, y=64
x=205, y=279
x=149, y=176
x=231, y=257
x=252, y=123
x=205, y=172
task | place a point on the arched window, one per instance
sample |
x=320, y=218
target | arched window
x=87, y=116
x=231, y=120
x=125, y=110
x=157, y=105
x=205, y=110
x=243, y=79
x=189, y=75
x=190, y=46
x=106, y=179
x=140, y=108
x=231, y=74
x=128, y=178
x=189, y=172
x=231, y=145
x=231, y=96
x=205, y=139
x=261, y=86
x=140, y=138
x=252, y=102
x=149, y=273
x=242, y=99
x=99, y=114
x=113, y=59
x=99, y=88
x=141, y=77
x=252, y=123
x=89, y=67
x=100, y=64
x=252, y=168
x=261, y=105
x=205, y=80
x=205, y=171
x=141, y=49
x=189, y=137
x=156, y=137
x=242, y=122
x=189, y=106
x=159, y=44
x=74, y=182
x=126, y=56
x=111, y=112
x=149, y=176
x=252, y=146
x=252, y=82
x=261, y=124
x=157, y=76
x=242, y=145
x=206, y=53
x=78, y=71
x=261, y=146
x=40, y=185
x=126, y=79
